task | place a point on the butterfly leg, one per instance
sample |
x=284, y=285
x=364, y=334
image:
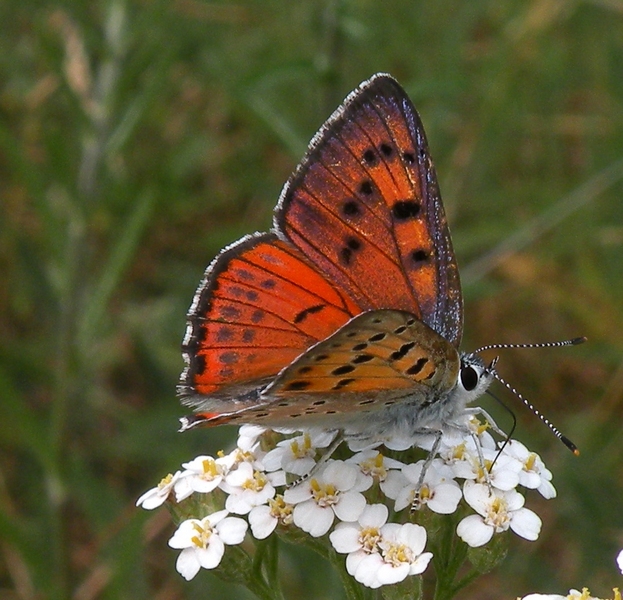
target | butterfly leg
x=492, y=424
x=419, y=492
x=481, y=460
x=339, y=438
x=477, y=411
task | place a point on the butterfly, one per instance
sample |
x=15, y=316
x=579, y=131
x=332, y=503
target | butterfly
x=348, y=314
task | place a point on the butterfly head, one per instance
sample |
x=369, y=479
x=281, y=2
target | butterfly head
x=474, y=378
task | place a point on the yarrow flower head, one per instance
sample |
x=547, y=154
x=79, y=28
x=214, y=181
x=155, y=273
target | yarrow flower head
x=364, y=503
x=381, y=553
x=202, y=474
x=203, y=541
x=157, y=496
x=572, y=595
x=497, y=511
x=247, y=488
x=434, y=487
x=335, y=491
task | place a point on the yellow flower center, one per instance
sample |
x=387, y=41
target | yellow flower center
x=369, y=538
x=398, y=554
x=256, y=483
x=324, y=494
x=375, y=467
x=530, y=462
x=243, y=456
x=281, y=510
x=303, y=449
x=203, y=535
x=210, y=469
x=459, y=451
x=165, y=481
x=497, y=514
x=479, y=426
x=425, y=493
x=483, y=470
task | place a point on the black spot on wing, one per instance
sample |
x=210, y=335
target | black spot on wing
x=302, y=315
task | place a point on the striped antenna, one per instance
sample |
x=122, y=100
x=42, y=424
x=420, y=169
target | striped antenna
x=491, y=369
x=564, y=439
x=572, y=342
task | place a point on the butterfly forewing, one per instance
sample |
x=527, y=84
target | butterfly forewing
x=260, y=306
x=364, y=207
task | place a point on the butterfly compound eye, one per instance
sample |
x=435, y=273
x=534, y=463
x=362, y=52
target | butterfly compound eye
x=469, y=377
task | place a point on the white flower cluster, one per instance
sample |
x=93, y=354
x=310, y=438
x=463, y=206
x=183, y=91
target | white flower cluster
x=572, y=595
x=336, y=494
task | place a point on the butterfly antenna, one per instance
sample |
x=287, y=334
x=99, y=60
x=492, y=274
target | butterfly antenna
x=571, y=342
x=564, y=439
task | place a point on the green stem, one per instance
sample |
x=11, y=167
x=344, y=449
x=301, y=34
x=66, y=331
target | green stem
x=266, y=567
x=448, y=558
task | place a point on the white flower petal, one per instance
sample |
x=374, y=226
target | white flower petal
x=158, y=496
x=262, y=522
x=353, y=560
x=241, y=475
x=247, y=436
x=394, y=483
x=514, y=499
x=342, y=475
x=183, y=534
x=526, y=524
x=349, y=506
x=412, y=535
x=530, y=479
x=367, y=569
x=298, y=466
x=183, y=488
x=216, y=517
x=374, y=515
x=388, y=574
x=345, y=538
x=420, y=563
x=477, y=495
x=400, y=443
x=298, y=494
x=210, y=557
x=404, y=498
x=277, y=478
x=473, y=531
x=312, y=518
x=445, y=499
x=187, y=564
x=504, y=480
x=232, y=530
x=546, y=489
x=152, y=499
x=544, y=597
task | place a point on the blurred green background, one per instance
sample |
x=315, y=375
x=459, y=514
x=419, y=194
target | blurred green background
x=138, y=138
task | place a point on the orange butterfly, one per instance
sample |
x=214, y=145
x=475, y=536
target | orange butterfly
x=348, y=315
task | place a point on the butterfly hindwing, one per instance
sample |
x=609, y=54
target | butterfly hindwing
x=375, y=352
x=377, y=359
